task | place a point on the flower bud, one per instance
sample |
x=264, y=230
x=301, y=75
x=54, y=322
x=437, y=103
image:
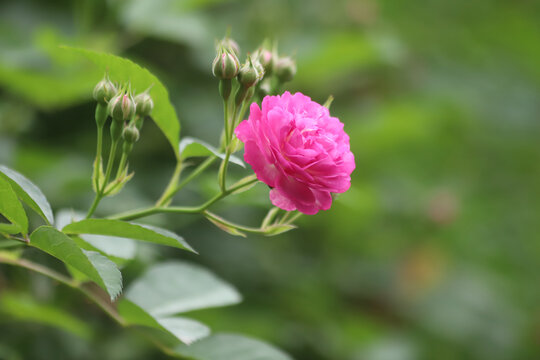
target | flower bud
x=285, y=69
x=265, y=88
x=266, y=58
x=122, y=107
x=130, y=134
x=144, y=104
x=250, y=73
x=225, y=64
x=104, y=91
x=230, y=45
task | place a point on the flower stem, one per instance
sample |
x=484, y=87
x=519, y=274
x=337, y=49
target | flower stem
x=137, y=214
x=170, y=190
x=110, y=163
x=173, y=187
x=99, y=194
x=122, y=164
x=222, y=175
x=94, y=205
x=226, y=122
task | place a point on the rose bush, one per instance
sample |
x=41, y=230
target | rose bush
x=299, y=150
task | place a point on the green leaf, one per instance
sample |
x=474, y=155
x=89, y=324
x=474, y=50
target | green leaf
x=29, y=193
x=183, y=329
x=231, y=347
x=116, y=247
x=95, y=266
x=177, y=287
x=24, y=308
x=12, y=209
x=123, y=71
x=191, y=147
x=127, y=230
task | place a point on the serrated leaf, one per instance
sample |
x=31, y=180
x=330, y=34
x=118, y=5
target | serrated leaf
x=114, y=246
x=95, y=266
x=24, y=308
x=108, y=272
x=29, y=193
x=231, y=347
x=191, y=147
x=176, y=287
x=12, y=209
x=127, y=230
x=123, y=71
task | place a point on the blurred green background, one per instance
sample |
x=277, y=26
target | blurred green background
x=432, y=254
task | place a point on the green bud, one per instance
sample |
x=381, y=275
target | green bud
x=266, y=59
x=130, y=134
x=104, y=91
x=265, y=88
x=122, y=107
x=225, y=65
x=144, y=104
x=285, y=69
x=230, y=45
x=251, y=72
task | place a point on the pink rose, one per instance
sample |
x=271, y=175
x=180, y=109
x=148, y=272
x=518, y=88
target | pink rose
x=299, y=150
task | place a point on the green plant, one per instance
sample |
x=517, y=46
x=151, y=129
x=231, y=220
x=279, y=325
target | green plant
x=91, y=248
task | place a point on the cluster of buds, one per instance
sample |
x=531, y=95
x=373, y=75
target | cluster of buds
x=127, y=113
x=126, y=110
x=264, y=70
